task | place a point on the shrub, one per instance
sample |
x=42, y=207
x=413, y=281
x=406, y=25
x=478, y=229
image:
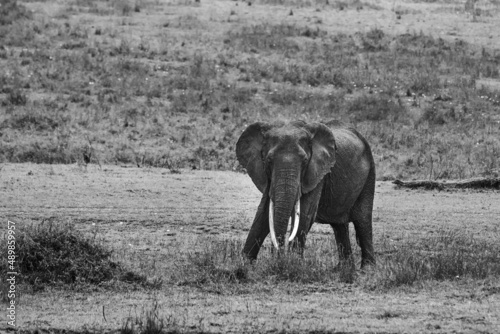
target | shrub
x=56, y=150
x=16, y=97
x=30, y=121
x=268, y=37
x=373, y=41
x=375, y=108
x=11, y=11
x=53, y=253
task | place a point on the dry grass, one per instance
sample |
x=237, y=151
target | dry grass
x=218, y=268
x=69, y=79
x=449, y=255
x=51, y=253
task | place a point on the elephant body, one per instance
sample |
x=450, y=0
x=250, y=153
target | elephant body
x=326, y=169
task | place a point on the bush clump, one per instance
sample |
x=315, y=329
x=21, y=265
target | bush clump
x=52, y=254
x=10, y=12
x=375, y=108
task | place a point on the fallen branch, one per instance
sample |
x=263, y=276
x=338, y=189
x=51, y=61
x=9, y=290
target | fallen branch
x=480, y=183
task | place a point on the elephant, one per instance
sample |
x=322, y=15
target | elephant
x=309, y=172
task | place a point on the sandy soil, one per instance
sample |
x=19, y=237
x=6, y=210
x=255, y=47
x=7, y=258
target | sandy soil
x=156, y=213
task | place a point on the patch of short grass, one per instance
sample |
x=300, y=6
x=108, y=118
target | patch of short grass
x=450, y=255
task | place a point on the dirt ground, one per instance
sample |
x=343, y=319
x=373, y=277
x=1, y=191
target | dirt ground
x=153, y=213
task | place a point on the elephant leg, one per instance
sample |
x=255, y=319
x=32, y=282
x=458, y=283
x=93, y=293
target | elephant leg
x=258, y=231
x=343, y=243
x=309, y=206
x=361, y=215
x=362, y=220
x=364, y=238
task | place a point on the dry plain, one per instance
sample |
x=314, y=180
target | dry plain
x=170, y=84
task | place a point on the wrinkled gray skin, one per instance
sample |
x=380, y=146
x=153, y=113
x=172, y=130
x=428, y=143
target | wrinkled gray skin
x=329, y=167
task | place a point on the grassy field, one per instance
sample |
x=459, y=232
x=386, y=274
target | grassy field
x=95, y=93
x=173, y=83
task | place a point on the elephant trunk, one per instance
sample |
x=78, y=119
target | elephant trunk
x=286, y=205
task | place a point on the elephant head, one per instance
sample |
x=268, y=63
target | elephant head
x=285, y=162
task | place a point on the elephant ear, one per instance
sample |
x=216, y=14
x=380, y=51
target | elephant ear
x=248, y=152
x=323, y=155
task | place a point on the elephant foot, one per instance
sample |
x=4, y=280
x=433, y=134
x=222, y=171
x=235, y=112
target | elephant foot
x=296, y=248
x=347, y=271
x=368, y=262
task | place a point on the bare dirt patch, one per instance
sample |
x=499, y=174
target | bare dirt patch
x=150, y=216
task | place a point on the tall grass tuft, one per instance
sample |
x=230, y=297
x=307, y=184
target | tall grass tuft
x=311, y=267
x=216, y=263
x=150, y=322
x=220, y=262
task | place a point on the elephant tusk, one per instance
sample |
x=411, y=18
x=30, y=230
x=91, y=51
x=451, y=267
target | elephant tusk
x=271, y=224
x=296, y=220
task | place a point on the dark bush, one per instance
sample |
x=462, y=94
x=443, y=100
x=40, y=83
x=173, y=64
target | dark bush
x=375, y=108
x=17, y=98
x=30, y=122
x=52, y=253
x=10, y=12
x=373, y=41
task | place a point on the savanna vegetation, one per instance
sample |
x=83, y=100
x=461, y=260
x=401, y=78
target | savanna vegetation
x=98, y=80
x=153, y=83
x=56, y=256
